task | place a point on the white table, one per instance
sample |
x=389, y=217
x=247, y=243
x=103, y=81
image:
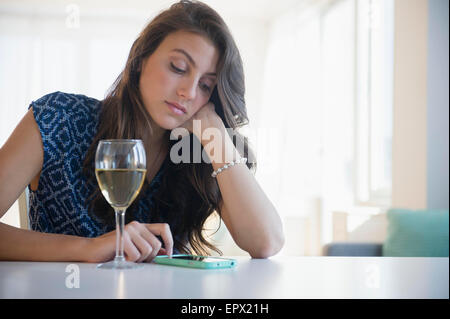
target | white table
x=277, y=277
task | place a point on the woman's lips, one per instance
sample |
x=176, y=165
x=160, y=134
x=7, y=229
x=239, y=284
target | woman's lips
x=176, y=108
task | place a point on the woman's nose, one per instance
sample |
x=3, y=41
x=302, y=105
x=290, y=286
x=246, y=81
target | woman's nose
x=187, y=89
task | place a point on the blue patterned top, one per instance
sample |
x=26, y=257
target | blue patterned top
x=68, y=124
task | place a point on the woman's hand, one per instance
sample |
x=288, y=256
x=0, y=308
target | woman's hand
x=140, y=243
x=208, y=117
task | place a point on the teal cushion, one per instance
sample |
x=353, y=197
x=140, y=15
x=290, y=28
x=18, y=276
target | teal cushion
x=416, y=233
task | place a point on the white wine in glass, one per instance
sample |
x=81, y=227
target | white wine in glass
x=120, y=168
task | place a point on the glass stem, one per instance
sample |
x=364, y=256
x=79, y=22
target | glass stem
x=120, y=221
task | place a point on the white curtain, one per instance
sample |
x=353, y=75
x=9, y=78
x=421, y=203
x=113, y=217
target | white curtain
x=43, y=52
x=309, y=104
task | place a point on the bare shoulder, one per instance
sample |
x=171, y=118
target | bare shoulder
x=21, y=159
x=24, y=140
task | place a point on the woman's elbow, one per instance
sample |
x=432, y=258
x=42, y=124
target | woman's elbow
x=270, y=249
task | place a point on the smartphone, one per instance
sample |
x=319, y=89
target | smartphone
x=193, y=261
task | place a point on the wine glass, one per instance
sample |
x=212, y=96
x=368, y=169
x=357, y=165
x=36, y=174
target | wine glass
x=120, y=168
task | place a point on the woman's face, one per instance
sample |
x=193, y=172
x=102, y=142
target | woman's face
x=178, y=78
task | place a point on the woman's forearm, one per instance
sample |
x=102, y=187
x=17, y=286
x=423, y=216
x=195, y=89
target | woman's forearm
x=250, y=217
x=26, y=245
x=248, y=213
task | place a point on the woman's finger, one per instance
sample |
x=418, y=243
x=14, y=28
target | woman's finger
x=144, y=246
x=156, y=244
x=149, y=239
x=163, y=230
x=130, y=250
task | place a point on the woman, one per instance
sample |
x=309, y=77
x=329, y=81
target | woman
x=184, y=67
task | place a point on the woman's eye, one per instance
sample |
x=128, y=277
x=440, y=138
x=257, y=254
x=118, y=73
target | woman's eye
x=205, y=87
x=177, y=70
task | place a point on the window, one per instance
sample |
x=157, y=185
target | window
x=328, y=94
x=374, y=82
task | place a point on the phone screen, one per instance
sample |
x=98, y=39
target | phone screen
x=198, y=258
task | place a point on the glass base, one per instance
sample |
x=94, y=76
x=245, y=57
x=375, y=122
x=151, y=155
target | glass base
x=120, y=264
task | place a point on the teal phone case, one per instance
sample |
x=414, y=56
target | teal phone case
x=216, y=264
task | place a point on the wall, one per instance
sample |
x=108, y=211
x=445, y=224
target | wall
x=421, y=105
x=409, y=151
x=437, y=105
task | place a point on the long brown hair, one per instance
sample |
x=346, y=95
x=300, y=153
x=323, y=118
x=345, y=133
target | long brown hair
x=188, y=194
